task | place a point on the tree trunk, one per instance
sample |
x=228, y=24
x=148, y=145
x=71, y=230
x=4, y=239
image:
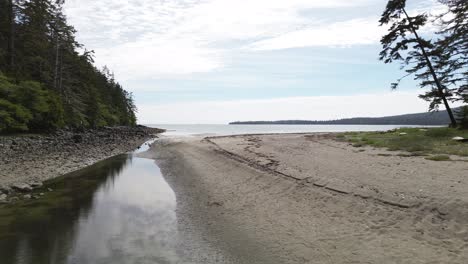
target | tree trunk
x=11, y=36
x=56, y=68
x=434, y=75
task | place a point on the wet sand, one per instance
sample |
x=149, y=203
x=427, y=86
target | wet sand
x=300, y=198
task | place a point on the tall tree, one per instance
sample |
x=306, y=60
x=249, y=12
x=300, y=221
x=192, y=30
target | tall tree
x=403, y=43
x=453, y=46
x=52, y=83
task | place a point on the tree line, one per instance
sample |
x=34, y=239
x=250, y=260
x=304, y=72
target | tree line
x=438, y=59
x=47, y=79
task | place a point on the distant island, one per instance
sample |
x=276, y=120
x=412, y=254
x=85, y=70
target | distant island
x=425, y=119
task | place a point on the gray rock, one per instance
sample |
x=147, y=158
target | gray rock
x=36, y=184
x=3, y=197
x=22, y=187
x=27, y=196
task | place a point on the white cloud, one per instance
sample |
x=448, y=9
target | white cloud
x=306, y=108
x=144, y=38
x=339, y=34
x=141, y=39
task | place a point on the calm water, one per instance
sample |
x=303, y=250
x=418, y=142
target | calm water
x=188, y=130
x=118, y=211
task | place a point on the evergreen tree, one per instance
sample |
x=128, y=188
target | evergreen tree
x=403, y=43
x=46, y=83
x=453, y=46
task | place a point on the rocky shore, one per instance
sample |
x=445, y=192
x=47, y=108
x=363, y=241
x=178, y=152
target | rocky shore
x=28, y=160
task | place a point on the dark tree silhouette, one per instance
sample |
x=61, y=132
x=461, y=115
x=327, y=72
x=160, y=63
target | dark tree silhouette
x=46, y=82
x=403, y=43
x=453, y=46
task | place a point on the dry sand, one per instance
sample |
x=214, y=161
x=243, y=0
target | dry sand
x=299, y=198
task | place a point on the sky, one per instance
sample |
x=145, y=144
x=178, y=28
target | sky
x=216, y=61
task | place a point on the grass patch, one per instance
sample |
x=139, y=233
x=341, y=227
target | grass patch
x=439, y=158
x=417, y=141
x=384, y=155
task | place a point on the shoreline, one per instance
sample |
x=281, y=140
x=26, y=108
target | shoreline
x=298, y=198
x=28, y=160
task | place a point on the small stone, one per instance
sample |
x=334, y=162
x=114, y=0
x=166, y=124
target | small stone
x=403, y=133
x=458, y=138
x=41, y=194
x=49, y=189
x=22, y=187
x=3, y=197
x=27, y=196
x=36, y=184
x=214, y=203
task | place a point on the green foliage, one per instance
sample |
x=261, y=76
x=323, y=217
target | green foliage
x=415, y=140
x=28, y=106
x=46, y=75
x=439, y=158
x=13, y=117
x=463, y=117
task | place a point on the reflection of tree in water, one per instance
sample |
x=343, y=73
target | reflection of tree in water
x=44, y=230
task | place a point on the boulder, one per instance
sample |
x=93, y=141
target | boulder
x=22, y=187
x=36, y=184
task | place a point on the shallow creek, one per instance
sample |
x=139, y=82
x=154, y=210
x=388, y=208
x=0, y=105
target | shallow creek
x=120, y=210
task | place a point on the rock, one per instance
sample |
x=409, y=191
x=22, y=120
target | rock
x=77, y=138
x=41, y=194
x=49, y=189
x=36, y=184
x=27, y=196
x=214, y=203
x=403, y=133
x=22, y=187
x=459, y=139
x=3, y=197
x=5, y=189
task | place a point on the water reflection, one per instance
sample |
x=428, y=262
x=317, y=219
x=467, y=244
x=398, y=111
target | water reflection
x=118, y=211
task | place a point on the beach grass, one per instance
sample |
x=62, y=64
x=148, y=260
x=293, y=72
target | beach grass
x=418, y=141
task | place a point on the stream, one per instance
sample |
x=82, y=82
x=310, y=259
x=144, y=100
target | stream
x=120, y=210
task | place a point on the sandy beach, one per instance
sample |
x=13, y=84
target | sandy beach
x=309, y=198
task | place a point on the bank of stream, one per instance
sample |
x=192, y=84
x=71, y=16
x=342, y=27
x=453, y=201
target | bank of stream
x=120, y=210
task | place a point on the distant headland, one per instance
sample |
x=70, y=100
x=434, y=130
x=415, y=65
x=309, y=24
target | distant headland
x=424, y=119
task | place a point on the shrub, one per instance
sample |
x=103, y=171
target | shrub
x=13, y=117
x=28, y=105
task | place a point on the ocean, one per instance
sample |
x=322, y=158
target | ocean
x=221, y=130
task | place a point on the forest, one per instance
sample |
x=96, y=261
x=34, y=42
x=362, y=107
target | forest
x=48, y=80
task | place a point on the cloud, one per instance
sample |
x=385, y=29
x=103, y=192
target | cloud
x=306, y=108
x=141, y=39
x=339, y=34
x=147, y=38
